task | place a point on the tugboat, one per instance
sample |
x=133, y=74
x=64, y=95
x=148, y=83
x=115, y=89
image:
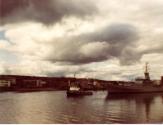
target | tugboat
x=145, y=85
x=74, y=89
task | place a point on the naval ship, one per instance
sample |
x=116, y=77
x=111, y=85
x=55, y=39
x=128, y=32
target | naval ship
x=144, y=85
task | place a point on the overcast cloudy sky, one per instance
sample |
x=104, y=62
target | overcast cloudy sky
x=105, y=39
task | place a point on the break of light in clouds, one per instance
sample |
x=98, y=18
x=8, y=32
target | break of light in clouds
x=105, y=39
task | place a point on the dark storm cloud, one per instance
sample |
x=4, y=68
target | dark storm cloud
x=115, y=33
x=114, y=41
x=118, y=36
x=46, y=11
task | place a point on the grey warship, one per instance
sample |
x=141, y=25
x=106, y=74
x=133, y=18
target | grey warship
x=145, y=85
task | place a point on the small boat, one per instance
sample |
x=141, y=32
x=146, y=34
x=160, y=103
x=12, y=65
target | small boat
x=74, y=89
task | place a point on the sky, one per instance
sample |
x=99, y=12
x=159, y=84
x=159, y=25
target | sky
x=104, y=39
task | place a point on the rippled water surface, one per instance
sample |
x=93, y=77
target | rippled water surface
x=56, y=107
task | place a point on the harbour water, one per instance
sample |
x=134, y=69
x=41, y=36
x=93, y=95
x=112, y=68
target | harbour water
x=56, y=107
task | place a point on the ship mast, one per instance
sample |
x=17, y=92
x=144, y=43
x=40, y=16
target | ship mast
x=146, y=73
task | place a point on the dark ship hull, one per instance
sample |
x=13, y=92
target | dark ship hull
x=79, y=93
x=135, y=89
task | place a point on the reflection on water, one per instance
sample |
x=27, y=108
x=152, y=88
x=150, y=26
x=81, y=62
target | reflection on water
x=139, y=108
x=55, y=107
